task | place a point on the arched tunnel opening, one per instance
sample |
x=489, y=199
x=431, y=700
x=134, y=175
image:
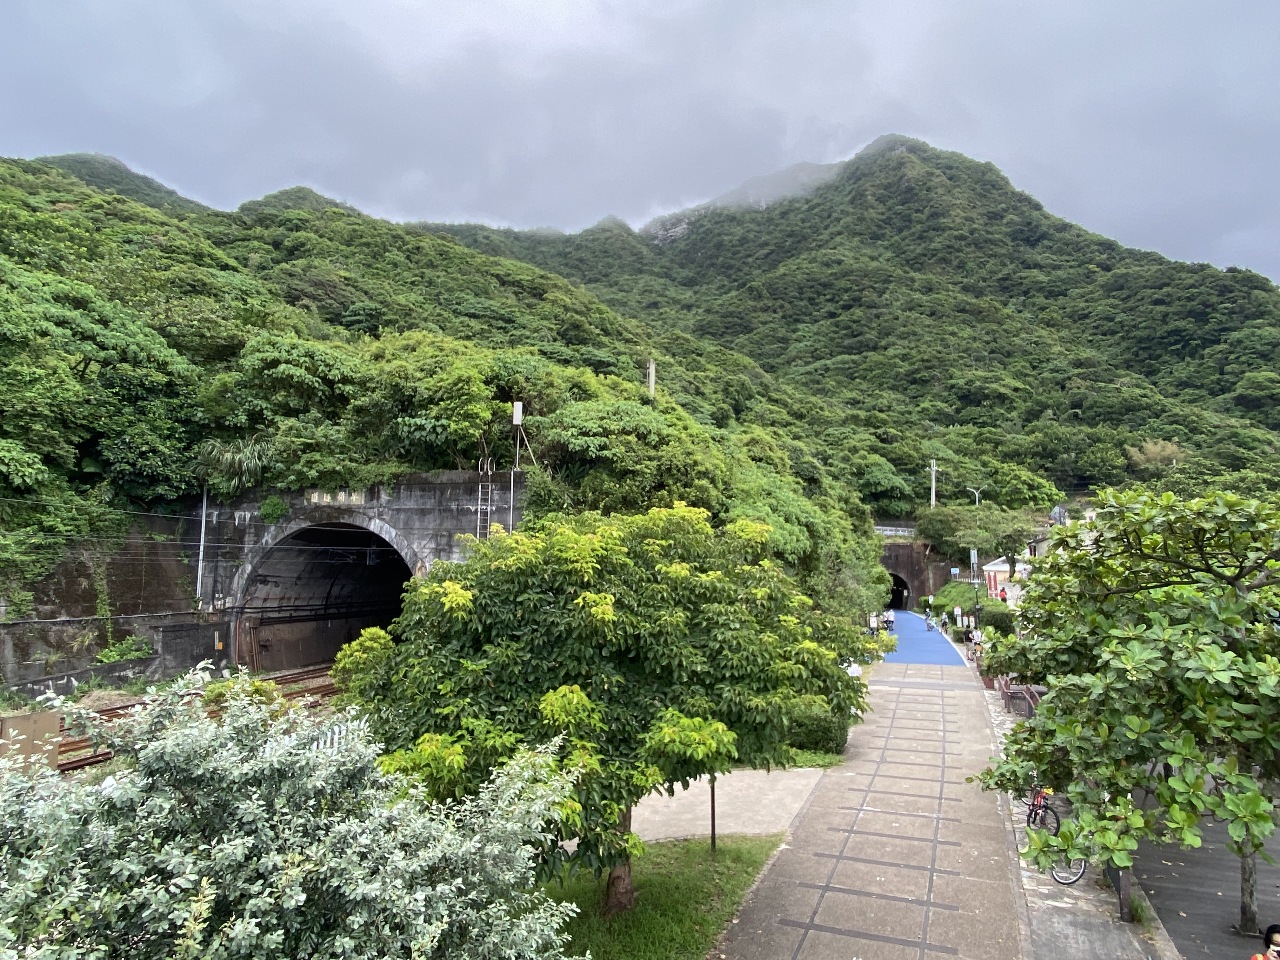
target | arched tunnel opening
x=900, y=596
x=316, y=590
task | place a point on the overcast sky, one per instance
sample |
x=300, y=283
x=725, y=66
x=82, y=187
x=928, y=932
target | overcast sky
x=1157, y=123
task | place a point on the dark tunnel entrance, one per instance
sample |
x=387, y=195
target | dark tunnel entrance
x=900, y=598
x=316, y=590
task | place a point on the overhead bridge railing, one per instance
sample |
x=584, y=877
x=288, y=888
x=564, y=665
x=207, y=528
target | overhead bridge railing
x=904, y=533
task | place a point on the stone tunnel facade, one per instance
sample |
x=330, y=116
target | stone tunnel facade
x=911, y=562
x=293, y=590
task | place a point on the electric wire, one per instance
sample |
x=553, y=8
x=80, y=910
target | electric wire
x=193, y=514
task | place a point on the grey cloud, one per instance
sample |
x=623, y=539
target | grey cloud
x=1153, y=123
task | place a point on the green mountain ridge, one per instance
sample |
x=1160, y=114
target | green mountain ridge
x=924, y=298
x=113, y=176
x=293, y=198
x=798, y=180
x=814, y=356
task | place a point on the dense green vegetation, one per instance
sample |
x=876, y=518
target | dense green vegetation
x=661, y=649
x=933, y=311
x=813, y=357
x=145, y=354
x=268, y=831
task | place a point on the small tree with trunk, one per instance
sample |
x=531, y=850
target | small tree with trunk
x=1154, y=626
x=988, y=528
x=659, y=648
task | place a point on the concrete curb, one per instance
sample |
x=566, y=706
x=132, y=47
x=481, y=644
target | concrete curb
x=1153, y=930
x=1150, y=931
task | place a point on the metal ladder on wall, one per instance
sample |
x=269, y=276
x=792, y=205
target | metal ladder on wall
x=484, y=499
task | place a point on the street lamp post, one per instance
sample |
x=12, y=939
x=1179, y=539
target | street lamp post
x=977, y=494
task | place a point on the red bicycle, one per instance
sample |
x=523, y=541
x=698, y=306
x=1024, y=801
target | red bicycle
x=1040, y=814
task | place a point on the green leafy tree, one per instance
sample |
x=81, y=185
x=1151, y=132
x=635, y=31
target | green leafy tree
x=990, y=529
x=1154, y=627
x=232, y=467
x=268, y=832
x=629, y=455
x=949, y=529
x=1011, y=531
x=658, y=647
x=1259, y=391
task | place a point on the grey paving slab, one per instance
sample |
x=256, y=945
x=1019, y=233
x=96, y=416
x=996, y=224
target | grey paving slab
x=800, y=865
x=890, y=833
x=747, y=801
x=889, y=880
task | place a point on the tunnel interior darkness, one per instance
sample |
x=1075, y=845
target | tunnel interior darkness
x=316, y=590
x=900, y=598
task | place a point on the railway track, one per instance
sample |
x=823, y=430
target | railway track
x=77, y=753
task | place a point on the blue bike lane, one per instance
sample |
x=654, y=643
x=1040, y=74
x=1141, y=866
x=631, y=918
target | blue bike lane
x=918, y=644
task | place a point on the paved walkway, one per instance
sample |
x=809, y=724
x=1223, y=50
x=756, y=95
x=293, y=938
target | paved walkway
x=893, y=855
x=747, y=801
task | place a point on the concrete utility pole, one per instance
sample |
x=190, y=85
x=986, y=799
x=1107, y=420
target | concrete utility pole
x=933, y=484
x=517, y=419
x=977, y=494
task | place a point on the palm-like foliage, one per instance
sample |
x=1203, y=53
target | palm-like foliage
x=230, y=467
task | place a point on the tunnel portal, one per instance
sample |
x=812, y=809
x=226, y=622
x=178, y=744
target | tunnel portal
x=900, y=597
x=316, y=590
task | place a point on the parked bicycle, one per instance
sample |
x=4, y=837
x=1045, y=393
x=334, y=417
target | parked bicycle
x=1067, y=871
x=1042, y=816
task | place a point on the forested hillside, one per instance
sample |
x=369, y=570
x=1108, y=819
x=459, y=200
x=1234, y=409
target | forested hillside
x=933, y=311
x=111, y=176
x=813, y=356
x=297, y=343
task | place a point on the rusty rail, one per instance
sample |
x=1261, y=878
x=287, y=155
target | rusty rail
x=73, y=750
